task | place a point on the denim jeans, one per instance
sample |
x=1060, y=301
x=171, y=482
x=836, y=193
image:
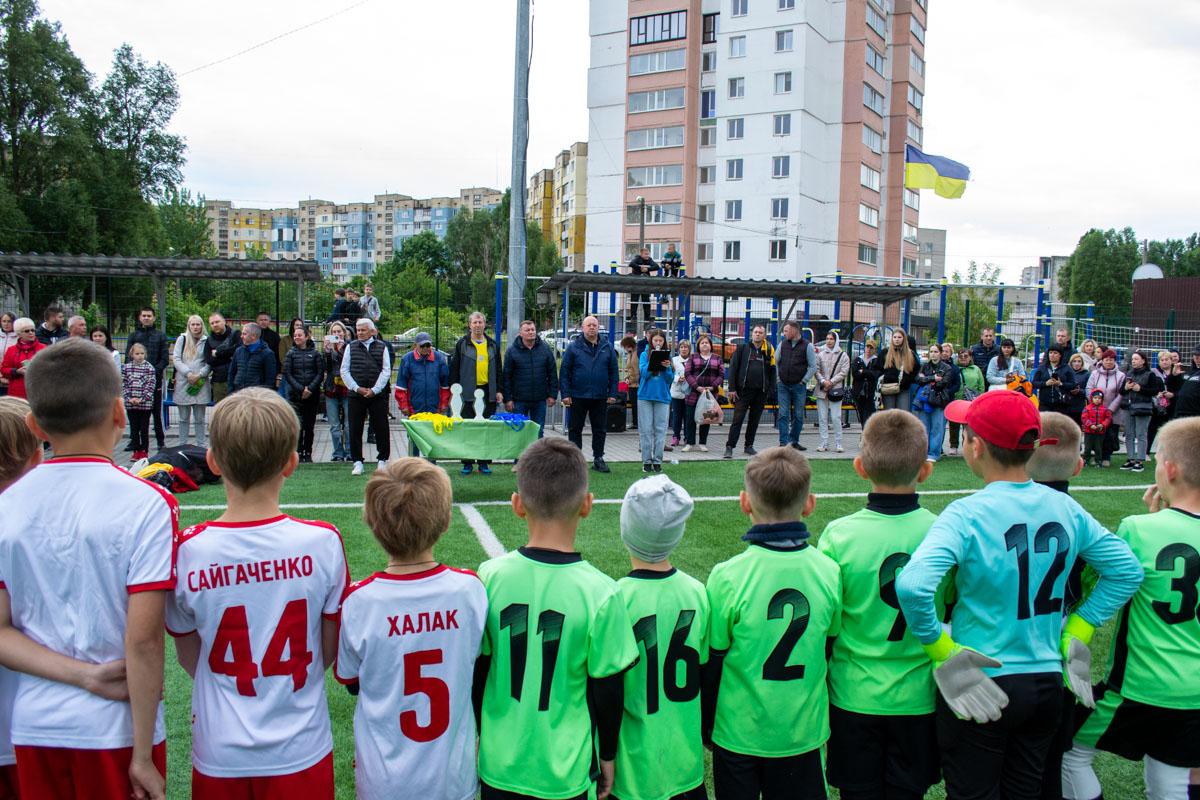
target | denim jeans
x=678, y=415
x=653, y=430
x=902, y=400
x=791, y=411
x=828, y=415
x=335, y=410
x=935, y=425
x=536, y=412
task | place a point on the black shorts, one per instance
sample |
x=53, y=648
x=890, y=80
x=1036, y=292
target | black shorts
x=737, y=776
x=869, y=752
x=1135, y=730
x=699, y=793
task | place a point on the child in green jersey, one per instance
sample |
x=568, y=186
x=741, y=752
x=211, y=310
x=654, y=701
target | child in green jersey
x=1148, y=705
x=556, y=645
x=765, y=701
x=659, y=754
x=883, y=741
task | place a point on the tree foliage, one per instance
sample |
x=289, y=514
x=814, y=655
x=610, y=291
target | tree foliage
x=982, y=301
x=185, y=224
x=1101, y=269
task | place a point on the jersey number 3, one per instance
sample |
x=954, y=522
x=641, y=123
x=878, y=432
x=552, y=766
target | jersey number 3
x=233, y=634
x=1185, y=584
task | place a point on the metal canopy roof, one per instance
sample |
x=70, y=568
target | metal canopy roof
x=845, y=291
x=24, y=265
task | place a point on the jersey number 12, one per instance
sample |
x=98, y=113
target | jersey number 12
x=1017, y=540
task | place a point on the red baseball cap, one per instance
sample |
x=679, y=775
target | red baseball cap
x=1000, y=418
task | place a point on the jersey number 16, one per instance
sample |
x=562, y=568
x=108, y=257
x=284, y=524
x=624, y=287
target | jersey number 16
x=646, y=633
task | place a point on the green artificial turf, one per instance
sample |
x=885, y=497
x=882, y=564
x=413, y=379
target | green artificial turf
x=712, y=536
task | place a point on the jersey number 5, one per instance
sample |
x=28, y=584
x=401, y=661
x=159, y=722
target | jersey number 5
x=233, y=634
x=1017, y=539
x=1185, y=584
x=646, y=633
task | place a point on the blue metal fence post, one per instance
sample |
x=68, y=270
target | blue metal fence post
x=942, y=313
x=1000, y=309
x=499, y=305
x=687, y=317
x=837, y=306
x=807, y=279
x=775, y=322
x=595, y=295
x=1091, y=316
x=566, y=315
x=907, y=314
x=1039, y=323
x=746, y=324
x=612, y=306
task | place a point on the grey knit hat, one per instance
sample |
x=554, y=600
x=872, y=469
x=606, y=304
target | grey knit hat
x=653, y=517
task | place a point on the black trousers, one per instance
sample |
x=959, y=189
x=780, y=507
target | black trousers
x=633, y=403
x=1112, y=441
x=306, y=410
x=468, y=412
x=377, y=409
x=582, y=410
x=637, y=302
x=1002, y=760
x=737, y=776
x=156, y=413
x=752, y=401
x=139, y=428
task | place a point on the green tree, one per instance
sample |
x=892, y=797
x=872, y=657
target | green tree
x=426, y=250
x=185, y=224
x=982, y=302
x=1179, y=258
x=255, y=252
x=1101, y=269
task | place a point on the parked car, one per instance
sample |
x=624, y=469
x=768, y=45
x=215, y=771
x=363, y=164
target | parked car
x=726, y=345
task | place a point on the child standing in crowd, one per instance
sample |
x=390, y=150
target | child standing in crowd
x=138, y=380
x=1095, y=421
x=433, y=619
x=632, y=376
x=772, y=608
x=883, y=741
x=660, y=754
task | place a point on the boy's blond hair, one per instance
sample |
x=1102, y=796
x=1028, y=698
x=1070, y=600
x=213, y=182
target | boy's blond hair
x=893, y=448
x=252, y=435
x=17, y=442
x=1179, y=443
x=1056, y=462
x=778, y=481
x=407, y=506
x=71, y=386
x=552, y=480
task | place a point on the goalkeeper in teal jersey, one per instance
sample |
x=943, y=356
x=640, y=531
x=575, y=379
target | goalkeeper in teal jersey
x=659, y=754
x=1148, y=706
x=1012, y=545
x=764, y=697
x=883, y=742
x=555, y=647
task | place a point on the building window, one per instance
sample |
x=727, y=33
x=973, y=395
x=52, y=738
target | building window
x=779, y=208
x=739, y=8
x=647, y=63
x=657, y=100
x=708, y=137
x=928, y=249
x=783, y=124
x=783, y=41
x=910, y=232
x=737, y=46
x=656, y=214
x=869, y=177
x=778, y=249
x=737, y=87
x=868, y=254
x=708, y=61
x=786, y=5
x=874, y=59
x=868, y=215
x=781, y=166
x=918, y=30
x=708, y=103
x=783, y=82
x=915, y=98
x=658, y=28
x=706, y=212
x=704, y=251
x=912, y=199
x=872, y=99
x=910, y=266
x=733, y=251
x=708, y=175
x=873, y=139
x=654, y=138
x=876, y=21
x=733, y=169
x=709, y=34
x=736, y=128
x=662, y=175
x=916, y=62
x=914, y=131
x=733, y=210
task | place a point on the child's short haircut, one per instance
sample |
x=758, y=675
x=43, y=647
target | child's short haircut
x=1179, y=443
x=893, y=448
x=1002, y=455
x=252, y=435
x=552, y=480
x=71, y=386
x=1056, y=462
x=778, y=480
x=407, y=505
x=17, y=442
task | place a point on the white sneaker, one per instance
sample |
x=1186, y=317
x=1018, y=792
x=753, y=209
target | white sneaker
x=953, y=451
x=687, y=448
x=380, y=464
x=821, y=448
x=358, y=468
x=703, y=448
x=839, y=449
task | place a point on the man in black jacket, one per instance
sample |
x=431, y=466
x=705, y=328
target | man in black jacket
x=475, y=363
x=640, y=265
x=751, y=376
x=530, y=376
x=222, y=342
x=51, y=330
x=1184, y=383
x=271, y=339
x=796, y=363
x=983, y=351
x=158, y=354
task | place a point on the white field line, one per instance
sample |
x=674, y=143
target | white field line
x=483, y=532
x=609, y=500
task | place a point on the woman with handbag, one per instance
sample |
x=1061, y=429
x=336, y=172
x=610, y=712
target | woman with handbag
x=938, y=382
x=1053, y=380
x=192, y=391
x=833, y=365
x=1108, y=378
x=1164, y=404
x=704, y=373
x=1006, y=367
x=970, y=386
x=864, y=376
x=898, y=369
x=1139, y=391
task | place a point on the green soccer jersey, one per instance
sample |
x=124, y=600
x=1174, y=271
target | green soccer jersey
x=1155, y=653
x=878, y=666
x=660, y=753
x=772, y=608
x=553, y=621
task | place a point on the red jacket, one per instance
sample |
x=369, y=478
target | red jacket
x=13, y=356
x=1096, y=418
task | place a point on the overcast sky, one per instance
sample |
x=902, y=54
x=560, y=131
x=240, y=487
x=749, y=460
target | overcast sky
x=1071, y=114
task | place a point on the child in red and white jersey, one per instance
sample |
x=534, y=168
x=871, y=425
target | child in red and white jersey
x=408, y=643
x=85, y=564
x=254, y=614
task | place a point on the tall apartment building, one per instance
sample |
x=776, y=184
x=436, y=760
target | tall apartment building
x=931, y=266
x=1046, y=270
x=539, y=201
x=766, y=137
x=570, y=204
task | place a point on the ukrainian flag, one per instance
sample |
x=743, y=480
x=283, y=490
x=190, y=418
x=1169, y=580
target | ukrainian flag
x=947, y=178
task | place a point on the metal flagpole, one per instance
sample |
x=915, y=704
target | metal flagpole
x=516, y=212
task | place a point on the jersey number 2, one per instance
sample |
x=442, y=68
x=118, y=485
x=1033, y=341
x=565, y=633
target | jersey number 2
x=1017, y=539
x=776, y=668
x=233, y=634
